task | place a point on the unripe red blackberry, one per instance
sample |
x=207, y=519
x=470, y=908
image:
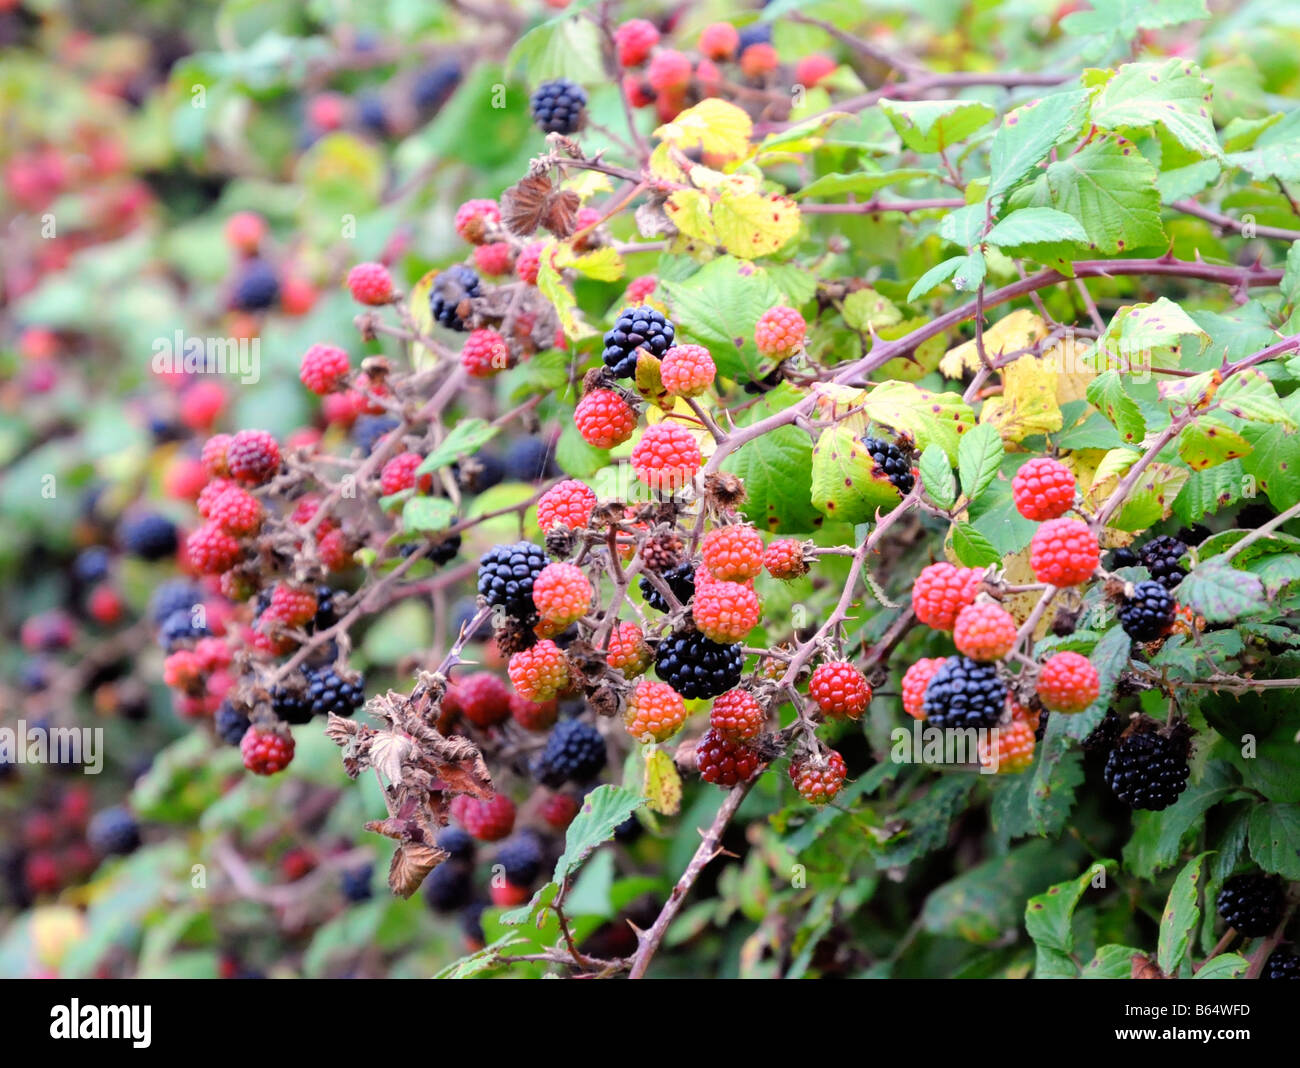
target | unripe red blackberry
x=724, y=761
x=737, y=714
x=654, y=712
x=818, y=778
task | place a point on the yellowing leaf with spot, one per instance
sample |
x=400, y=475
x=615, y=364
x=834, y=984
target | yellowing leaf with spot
x=919, y=362
x=418, y=305
x=680, y=412
x=1142, y=336
x=714, y=126
x=662, y=784
x=711, y=181
x=1028, y=402
x=692, y=214
x=1072, y=374
x=1152, y=498
x=750, y=225
x=552, y=287
x=1108, y=473
x=588, y=183
x=1018, y=330
x=1208, y=443
x=602, y=264
x=662, y=164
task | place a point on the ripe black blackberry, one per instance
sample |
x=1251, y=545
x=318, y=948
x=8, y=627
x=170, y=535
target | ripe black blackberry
x=754, y=33
x=1161, y=557
x=449, y=886
x=530, y=459
x=230, y=723
x=1123, y=557
x=444, y=549
x=179, y=627
x=1252, y=903
x=891, y=459
x=355, y=882
x=289, y=703
x=113, y=831
x=457, y=842
x=1281, y=964
x=506, y=574
x=636, y=328
x=368, y=429
x=964, y=693
x=680, y=579
x=1148, y=769
x=327, y=692
x=1106, y=733
x=434, y=85
x=150, y=537
x=174, y=596
x=449, y=297
x=520, y=858
x=575, y=752
x=558, y=106
x=326, y=609
x=1148, y=613
x=257, y=287
x=91, y=565
x=696, y=666
x=1041, y=729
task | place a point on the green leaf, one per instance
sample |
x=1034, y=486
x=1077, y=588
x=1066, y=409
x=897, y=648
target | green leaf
x=1276, y=154
x=1049, y=920
x=465, y=439
x=1275, y=839
x=718, y=306
x=865, y=308
x=566, y=46
x=1111, y=962
x=1110, y=188
x=1209, y=490
x=972, y=548
x=1029, y=133
x=934, y=125
x=777, y=471
x=1110, y=657
x=1058, y=771
x=1208, y=443
x=1036, y=226
x=1120, y=20
x=602, y=811
x=428, y=513
x=1171, y=94
x=1221, y=593
x=1290, y=284
x=979, y=455
x=1224, y=966
x=1181, y=915
x=935, y=277
x=936, y=476
x=859, y=183
x=1106, y=393
x=1274, y=465
x=984, y=903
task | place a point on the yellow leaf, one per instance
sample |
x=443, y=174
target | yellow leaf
x=602, y=264
x=1028, y=402
x=680, y=412
x=714, y=126
x=588, y=183
x=1018, y=330
x=1072, y=373
x=663, y=166
x=663, y=784
x=692, y=214
x=1108, y=473
x=552, y=287
x=418, y=305
x=753, y=225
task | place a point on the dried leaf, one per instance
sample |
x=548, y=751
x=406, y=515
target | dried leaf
x=389, y=753
x=411, y=863
x=535, y=202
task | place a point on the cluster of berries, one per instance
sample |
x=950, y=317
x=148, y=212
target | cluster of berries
x=725, y=59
